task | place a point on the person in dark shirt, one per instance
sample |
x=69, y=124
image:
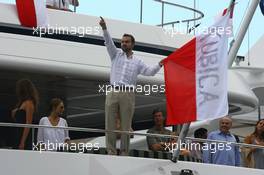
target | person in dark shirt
x=28, y=99
x=161, y=143
x=158, y=143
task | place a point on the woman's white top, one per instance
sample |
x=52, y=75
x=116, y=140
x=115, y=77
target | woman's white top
x=52, y=138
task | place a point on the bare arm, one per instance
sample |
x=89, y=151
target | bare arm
x=40, y=132
x=153, y=144
x=29, y=108
x=157, y=147
x=66, y=133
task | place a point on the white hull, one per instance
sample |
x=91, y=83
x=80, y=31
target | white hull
x=31, y=162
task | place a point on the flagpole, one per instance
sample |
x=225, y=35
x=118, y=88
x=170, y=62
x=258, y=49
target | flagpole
x=183, y=134
x=242, y=31
x=231, y=5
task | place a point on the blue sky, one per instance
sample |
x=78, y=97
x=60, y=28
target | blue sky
x=129, y=10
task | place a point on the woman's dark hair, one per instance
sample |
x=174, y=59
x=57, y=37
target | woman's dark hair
x=54, y=103
x=26, y=90
x=255, y=133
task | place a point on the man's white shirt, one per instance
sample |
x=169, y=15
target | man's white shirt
x=124, y=71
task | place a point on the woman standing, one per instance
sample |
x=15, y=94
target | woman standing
x=254, y=156
x=28, y=100
x=50, y=136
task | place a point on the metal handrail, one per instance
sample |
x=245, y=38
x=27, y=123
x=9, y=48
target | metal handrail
x=181, y=6
x=33, y=126
x=201, y=14
x=169, y=23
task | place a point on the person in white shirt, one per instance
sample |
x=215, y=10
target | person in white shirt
x=124, y=71
x=61, y=4
x=50, y=137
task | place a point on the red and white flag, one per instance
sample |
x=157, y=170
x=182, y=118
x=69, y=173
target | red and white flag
x=196, y=76
x=32, y=13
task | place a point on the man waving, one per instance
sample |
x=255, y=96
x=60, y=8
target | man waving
x=121, y=99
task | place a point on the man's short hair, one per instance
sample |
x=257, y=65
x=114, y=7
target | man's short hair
x=199, y=133
x=226, y=117
x=156, y=110
x=131, y=36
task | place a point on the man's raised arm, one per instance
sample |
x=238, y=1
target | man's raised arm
x=111, y=48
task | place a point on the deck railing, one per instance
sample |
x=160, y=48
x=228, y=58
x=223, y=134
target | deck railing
x=135, y=153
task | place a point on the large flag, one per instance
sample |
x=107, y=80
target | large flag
x=32, y=13
x=196, y=76
x=261, y=5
